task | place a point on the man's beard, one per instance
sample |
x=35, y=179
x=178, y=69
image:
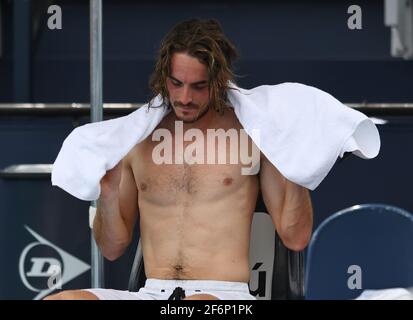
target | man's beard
x=197, y=117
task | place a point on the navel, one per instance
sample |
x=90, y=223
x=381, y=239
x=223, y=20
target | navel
x=178, y=268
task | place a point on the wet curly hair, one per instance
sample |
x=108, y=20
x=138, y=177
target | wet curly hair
x=204, y=40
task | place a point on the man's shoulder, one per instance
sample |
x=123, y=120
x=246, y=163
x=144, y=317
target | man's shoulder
x=133, y=154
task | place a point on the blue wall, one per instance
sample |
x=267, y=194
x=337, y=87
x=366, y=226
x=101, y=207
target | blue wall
x=279, y=41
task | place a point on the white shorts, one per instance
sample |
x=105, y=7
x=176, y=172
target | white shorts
x=162, y=289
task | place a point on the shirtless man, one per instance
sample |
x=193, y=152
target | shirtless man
x=195, y=219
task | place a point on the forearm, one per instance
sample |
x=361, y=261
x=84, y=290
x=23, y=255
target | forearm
x=109, y=228
x=296, y=217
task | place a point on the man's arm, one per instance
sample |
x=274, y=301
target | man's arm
x=289, y=206
x=117, y=211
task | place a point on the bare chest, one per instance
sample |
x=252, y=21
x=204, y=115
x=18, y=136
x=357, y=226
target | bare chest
x=188, y=172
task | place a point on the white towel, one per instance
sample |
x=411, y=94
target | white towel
x=387, y=294
x=303, y=130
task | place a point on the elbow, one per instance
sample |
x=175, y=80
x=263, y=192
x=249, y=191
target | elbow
x=294, y=238
x=295, y=231
x=295, y=244
x=112, y=254
x=114, y=249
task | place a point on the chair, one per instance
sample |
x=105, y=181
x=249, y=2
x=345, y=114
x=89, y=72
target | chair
x=363, y=247
x=276, y=272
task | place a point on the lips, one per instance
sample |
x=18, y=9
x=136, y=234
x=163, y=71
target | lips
x=187, y=108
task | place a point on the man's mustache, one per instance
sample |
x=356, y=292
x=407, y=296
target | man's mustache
x=180, y=105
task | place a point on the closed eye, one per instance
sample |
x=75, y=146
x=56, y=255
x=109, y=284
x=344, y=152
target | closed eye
x=175, y=83
x=200, y=88
x=195, y=86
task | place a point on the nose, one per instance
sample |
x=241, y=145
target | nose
x=186, y=96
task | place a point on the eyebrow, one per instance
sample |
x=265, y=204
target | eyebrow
x=194, y=83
